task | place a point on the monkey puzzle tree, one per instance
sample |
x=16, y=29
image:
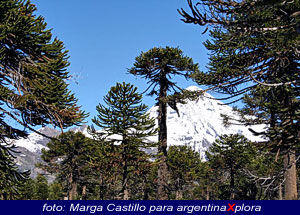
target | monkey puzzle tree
x=184, y=164
x=33, y=88
x=228, y=157
x=67, y=156
x=158, y=66
x=11, y=180
x=41, y=188
x=125, y=126
x=255, y=49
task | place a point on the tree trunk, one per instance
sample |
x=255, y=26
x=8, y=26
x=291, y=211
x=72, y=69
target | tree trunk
x=232, y=188
x=101, y=187
x=179, y=194
x=84, y=196
x=124, y=190
x=73, y=191
x=4, y=196
x=207, y=192
x=290, y=185
x=280, y=192
x=126, y=194
x=162, y=192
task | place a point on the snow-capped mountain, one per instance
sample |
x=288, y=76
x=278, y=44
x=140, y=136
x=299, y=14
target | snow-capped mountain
x=29, y=149
x=35, y=142
x=198, y=125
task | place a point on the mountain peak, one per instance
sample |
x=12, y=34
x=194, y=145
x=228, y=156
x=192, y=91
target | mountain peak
x=193, y=88
x=200, y=122
x=51, y=132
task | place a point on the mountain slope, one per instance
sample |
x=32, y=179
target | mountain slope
x=29, y=149
x=198, y=125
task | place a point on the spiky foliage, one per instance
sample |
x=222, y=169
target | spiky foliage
x=229, y=156
x=33, y=88
x=184, y=165
x=41, y=189
x=67, y=158
x=55, y=191
x=158, y=66
x=11, y=179
x=255, y=49
x=125, y=126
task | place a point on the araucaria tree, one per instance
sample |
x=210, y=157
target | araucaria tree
x=33, y=88
x=158, y=66
x=125, y=126
x=229, y=157
x=67, y=158
x=184, y=165
x=255, y=49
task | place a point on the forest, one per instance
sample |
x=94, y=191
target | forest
x=254, y=55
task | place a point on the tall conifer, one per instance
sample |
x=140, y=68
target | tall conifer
x=67, y=156
x=125, y=126
x=158, y=66
x=255, y=48
x=33, y=88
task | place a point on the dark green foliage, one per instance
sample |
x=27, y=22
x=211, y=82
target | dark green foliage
x=206, y=184
x=28, y=190
x=56, y=191
x=32, y=72
x=11, y=179
x=68, y=158
x=251, y=42
x=124, y=115
x=33, y=88
x=158, y=66
x=125, y=126
x=184, y=164
x=229, y=157
x=254, y=49
x=41, y=190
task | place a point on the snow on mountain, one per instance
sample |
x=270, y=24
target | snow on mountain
x=35, y=142
x=29, y=150
x=200, y=123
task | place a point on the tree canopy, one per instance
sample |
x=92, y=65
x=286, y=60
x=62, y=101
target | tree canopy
x=158, y=66
x=254, y=55
x=33, y=87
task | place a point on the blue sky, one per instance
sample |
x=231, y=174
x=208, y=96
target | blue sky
x=104, y=37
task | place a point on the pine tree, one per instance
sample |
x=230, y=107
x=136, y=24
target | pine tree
x=41, y=189
x=125, y=126
x=230, y=156
x=184, y=164
x=56, y=191
x=11, y=179
x=207, y=183
x=33, y=88
x=254, y=48
x=66, y=157
x=158, y=66
x=103, y=167
x=27, y=191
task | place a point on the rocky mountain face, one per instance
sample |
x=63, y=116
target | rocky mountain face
x=30, y=148
x=199, y=123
